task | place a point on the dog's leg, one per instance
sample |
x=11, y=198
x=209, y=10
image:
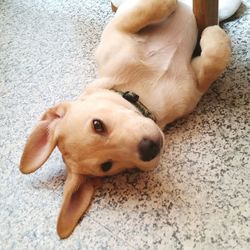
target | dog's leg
x=133, y=15
x=215, y=56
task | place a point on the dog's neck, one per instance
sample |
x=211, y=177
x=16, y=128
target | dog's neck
x=133, y=98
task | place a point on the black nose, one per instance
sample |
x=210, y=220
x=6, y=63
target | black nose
x=149, y=149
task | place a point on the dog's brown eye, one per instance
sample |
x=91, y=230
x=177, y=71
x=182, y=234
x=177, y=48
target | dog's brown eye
x=106, y=166
x=98, y=126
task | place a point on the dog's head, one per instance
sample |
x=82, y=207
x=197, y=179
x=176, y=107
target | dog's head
x=100, y=135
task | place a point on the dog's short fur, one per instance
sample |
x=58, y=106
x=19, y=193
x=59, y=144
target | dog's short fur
x=146, y=48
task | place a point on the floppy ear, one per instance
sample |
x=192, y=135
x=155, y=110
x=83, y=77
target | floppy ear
x=42, y=140
x=78, y=192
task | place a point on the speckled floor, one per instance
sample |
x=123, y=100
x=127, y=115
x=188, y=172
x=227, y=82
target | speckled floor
x=199, y=196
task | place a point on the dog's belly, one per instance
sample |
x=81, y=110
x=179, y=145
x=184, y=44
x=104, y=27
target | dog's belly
x=155, y=64
x=170, y=43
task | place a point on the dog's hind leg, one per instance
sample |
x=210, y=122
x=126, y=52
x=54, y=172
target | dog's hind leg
x=215, y=56
x=133, y=15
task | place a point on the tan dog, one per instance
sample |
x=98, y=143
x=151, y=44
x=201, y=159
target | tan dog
x=146, y=49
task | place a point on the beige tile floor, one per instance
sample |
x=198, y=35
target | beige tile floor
x=198, y=197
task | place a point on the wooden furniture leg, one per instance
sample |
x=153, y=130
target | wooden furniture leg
x=114, y=9
x=206, y=13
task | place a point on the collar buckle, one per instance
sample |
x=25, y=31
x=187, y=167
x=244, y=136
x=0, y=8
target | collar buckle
x=130, y=96
x=133, y=98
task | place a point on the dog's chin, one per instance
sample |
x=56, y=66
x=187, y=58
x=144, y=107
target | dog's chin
x=149, y=166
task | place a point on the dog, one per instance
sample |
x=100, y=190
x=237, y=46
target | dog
x=147, y=79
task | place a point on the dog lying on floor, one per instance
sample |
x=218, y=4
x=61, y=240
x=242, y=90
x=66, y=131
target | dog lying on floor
x=147, y=79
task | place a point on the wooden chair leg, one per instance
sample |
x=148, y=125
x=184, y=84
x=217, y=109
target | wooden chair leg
x=206, y=13
x=114, y=9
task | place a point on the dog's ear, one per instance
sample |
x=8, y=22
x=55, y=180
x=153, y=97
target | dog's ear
x=43, y=140
x=78, y=192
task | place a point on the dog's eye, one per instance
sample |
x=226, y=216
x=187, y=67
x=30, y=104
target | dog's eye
x=106, y=166
x=98, y=126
